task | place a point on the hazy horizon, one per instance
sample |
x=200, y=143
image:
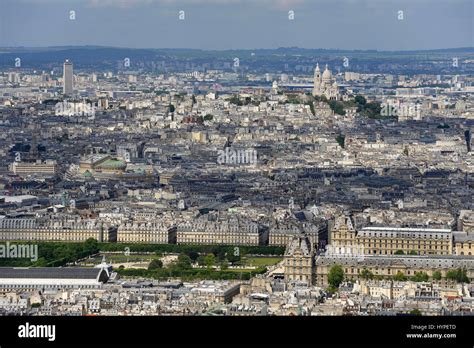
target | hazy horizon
x=233, y=49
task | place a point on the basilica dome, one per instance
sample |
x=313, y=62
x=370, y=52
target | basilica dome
x=327, y=74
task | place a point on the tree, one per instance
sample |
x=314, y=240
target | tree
x=370, y=110
x=292, y=99
x=200, y=260
x=183, y=262
x=155, y=264
x=233, y=256
x=459, y=275
x=224, y=265
x=415, y=311
x=399, y=252
x=437, y=275
x=420, y=277
x=400, y=277
x=171, y=108
x=221, y=254
x=451, y=275
x=41, y=262
x=335, y=276
x=210, y=260
x=413, y=252
x=366, y=274
x=193, y=255
x=91, y=246
x=208, y=117
x=340, y=140
x=337, y=107
x=359, y=99
x=235, y=100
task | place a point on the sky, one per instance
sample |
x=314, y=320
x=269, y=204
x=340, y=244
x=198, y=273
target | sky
x=239, y=24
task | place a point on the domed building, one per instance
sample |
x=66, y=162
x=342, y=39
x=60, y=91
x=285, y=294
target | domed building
x=101, y=164
x=325, y=84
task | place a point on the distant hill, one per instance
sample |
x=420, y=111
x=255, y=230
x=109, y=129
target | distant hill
x=99, y=57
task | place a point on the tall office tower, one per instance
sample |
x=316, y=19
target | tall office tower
x=67, y=78
x=13, y=77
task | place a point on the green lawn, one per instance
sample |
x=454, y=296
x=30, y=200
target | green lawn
x=130, y=258
x=261, y=261
x=118, y=258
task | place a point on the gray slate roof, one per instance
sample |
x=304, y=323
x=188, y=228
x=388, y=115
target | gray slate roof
x=49, y=272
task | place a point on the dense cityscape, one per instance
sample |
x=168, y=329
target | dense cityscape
x=193, y=183
x=236, y=172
